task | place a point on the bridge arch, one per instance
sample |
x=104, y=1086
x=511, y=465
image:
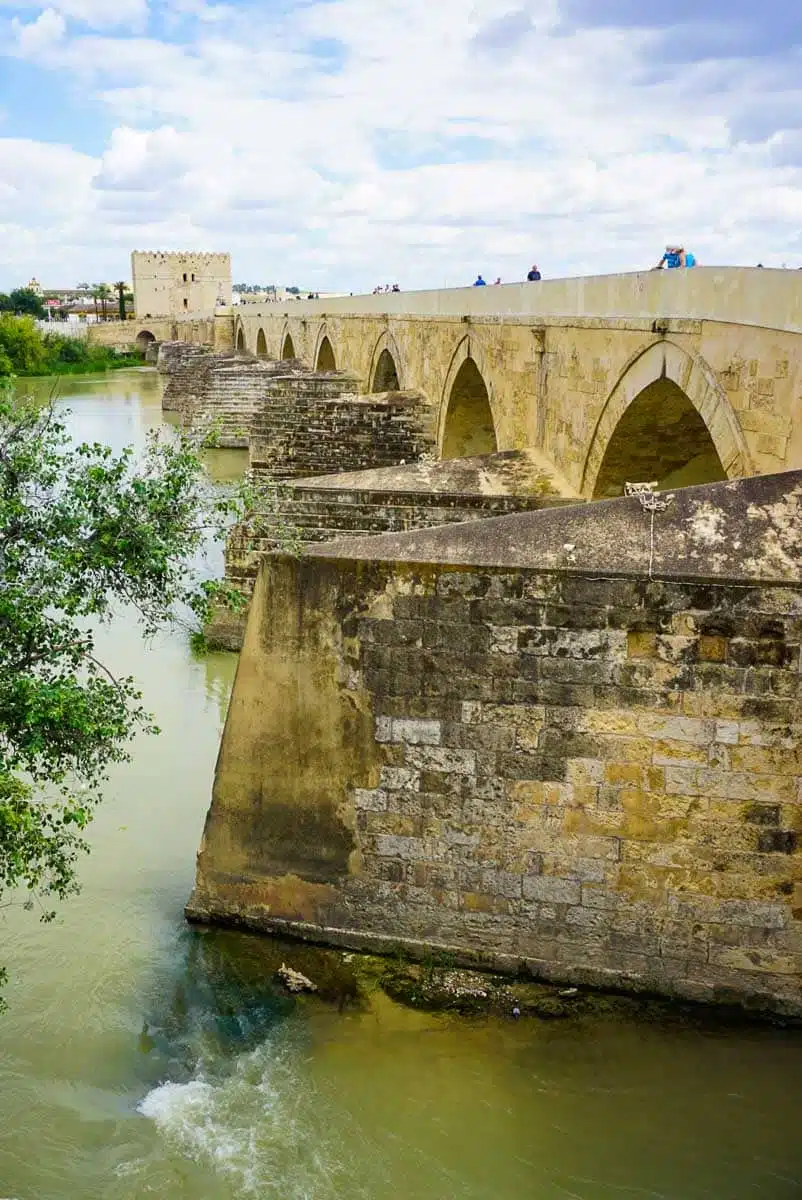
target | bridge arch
x=239, y=340
x=287, y=346
x=667, y=419
x=261, y=344
x=324, y=352
x=467, y=425
x=386, y=370
x=144, y=339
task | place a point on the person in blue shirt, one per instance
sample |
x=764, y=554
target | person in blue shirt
x=676, y=256
x=479, y=282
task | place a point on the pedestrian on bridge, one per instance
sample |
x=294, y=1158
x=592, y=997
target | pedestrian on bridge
x=676, y=256
x=479, y=282
x=534, y=275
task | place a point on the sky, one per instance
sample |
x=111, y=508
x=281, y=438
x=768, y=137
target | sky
x=340, y=144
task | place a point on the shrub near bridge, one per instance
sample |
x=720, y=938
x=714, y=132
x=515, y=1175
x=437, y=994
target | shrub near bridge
x=24, y=350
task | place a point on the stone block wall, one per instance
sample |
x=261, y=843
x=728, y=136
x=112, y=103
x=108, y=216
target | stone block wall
x=317, y=423
x=591, y=776
x=178, y=362
x=218, y=393
x=413, y=496
x=231, y=394
x=307, y=514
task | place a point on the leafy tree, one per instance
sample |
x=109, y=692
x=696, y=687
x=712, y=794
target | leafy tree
x=24, y=302
x=82, y=530
x=22, y=343
x=103, y=293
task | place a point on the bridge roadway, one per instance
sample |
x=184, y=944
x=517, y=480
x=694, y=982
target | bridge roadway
x=677, y=376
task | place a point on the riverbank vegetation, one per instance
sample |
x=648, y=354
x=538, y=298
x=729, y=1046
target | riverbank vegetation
x=23, y=302
x=83, y=530
x=25, y=350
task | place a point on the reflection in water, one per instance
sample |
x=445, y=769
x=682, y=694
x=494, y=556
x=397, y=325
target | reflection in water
x=217, y=672
x=141, y=1058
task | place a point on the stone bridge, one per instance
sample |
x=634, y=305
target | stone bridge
x=679, y=377
x=563, y=739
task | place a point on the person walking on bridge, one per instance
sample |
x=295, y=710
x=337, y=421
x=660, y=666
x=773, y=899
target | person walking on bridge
x=534, y=274
x=479, y=282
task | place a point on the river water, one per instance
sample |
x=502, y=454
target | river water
x=141, y=1057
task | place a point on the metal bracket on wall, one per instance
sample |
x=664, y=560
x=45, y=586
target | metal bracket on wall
x=651, y=502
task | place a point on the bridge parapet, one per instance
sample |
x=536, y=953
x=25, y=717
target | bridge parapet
x=771, y=299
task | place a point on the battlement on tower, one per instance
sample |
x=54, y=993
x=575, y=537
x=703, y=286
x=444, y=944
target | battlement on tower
x=205, y=255
x=172, y=283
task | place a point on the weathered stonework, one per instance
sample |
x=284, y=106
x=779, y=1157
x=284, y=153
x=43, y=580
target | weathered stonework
x=294, y=421
x=415, y=495
x=179, y=362
x=223, y=395
x=566, y=741
x=316, y=423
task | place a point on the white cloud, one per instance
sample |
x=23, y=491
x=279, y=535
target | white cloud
x=347, y=142
x=96, y=13
x=36, y=36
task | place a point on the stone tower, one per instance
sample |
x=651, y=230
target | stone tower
x=177, y=283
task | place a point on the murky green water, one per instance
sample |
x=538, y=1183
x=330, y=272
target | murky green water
x=142, y=1058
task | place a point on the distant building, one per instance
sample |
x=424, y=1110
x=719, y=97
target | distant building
x=35, y=286
x=169, y=284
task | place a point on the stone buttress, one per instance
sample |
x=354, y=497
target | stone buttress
x=564, y=741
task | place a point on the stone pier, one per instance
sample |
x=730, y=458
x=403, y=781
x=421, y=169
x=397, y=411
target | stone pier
x=564, y=741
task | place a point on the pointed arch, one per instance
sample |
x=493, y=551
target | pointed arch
x=240, y=340
x=287, y=346
x=385, y=377
x=667, y=415
x=386, y=366
x=468, y=427
x=467, y=423
x=324, y=358
x=261, y=344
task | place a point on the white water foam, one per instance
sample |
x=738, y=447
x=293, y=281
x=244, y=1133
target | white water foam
x=258, y=1127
